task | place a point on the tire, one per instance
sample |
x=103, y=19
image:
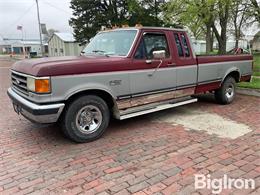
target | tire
x=85, y=119
x=227, y=92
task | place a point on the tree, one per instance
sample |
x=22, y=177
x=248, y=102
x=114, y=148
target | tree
x=146, y=12
x=213, y=18
x=223, y=8
x=207, y=14
x=198, y=16
x=240, y=18
x=255, y=5
x=90, y=15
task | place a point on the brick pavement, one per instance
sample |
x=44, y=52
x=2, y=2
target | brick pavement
x=135, y=156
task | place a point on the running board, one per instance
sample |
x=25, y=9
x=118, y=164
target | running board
x=157, y=108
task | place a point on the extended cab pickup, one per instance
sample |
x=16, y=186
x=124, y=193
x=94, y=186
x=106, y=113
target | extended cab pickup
x=122, y=73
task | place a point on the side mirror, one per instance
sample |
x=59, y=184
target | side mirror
x=159, y=55
x=82, y=53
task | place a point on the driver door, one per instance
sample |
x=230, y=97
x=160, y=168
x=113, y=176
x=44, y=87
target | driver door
x=152, y=81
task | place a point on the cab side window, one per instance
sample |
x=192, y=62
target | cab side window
x=140, y=52
x=151, y=42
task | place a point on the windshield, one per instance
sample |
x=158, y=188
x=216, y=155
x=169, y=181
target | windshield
x=111, y=43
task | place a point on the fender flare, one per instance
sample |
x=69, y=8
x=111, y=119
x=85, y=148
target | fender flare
x=230, y=70
x=88, y=87
x=95, y=86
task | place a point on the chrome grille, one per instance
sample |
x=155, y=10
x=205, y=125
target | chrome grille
x=19, y=82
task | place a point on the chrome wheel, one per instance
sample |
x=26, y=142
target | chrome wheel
x=230, y=91
x=89, y=119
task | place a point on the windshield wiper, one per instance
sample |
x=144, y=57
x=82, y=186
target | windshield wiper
x=101, y=51
x=98, y=51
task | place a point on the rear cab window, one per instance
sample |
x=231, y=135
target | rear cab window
x=185, y=45
x=182, y=44
x=182, y=49
x=178, y=44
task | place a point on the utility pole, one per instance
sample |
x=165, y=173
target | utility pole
x=156, y=12
x=39, y=23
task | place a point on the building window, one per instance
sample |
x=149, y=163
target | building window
x=56, y=50
x=61, y=50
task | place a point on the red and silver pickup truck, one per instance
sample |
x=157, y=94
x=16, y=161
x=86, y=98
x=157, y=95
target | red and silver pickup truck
x=122, y=73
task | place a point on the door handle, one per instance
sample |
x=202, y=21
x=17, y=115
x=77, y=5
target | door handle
x=148, y=61
x=171, y=64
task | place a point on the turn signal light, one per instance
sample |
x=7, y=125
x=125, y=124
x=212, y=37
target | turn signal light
x=42, y=86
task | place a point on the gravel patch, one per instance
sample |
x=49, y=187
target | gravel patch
x=204, y=121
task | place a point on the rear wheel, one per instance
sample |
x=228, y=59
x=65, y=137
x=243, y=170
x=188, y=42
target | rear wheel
x=86, y=119
x=227, y=92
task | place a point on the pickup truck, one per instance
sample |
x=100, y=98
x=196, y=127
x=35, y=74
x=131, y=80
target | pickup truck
x=122, y=73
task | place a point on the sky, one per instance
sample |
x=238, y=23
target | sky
x=54, y=13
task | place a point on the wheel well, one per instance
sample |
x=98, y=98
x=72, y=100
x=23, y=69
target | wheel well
x=100, y=93
x=235, y=75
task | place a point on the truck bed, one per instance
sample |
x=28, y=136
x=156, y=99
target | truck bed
x=212, y=69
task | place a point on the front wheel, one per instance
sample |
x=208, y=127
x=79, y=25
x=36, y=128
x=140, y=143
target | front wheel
x=227, y=92
x=86, y=119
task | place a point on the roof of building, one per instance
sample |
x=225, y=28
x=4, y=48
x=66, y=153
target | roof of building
x=66, y=37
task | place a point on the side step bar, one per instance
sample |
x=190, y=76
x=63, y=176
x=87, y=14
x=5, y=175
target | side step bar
x=157, y=108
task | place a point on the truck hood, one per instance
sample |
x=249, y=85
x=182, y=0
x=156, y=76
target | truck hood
x=56, y=66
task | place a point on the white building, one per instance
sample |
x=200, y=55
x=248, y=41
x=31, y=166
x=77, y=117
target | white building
x=63, y=44
x=256, y=42
x=199, y=46
x=27, y=47
x=244, y=44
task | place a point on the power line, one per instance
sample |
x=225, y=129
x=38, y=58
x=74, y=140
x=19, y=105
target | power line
x=51, y=5
x=57, y=8
x=27, y=11
x=21, y=16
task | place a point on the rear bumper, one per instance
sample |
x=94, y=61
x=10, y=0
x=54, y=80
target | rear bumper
x=37, y=113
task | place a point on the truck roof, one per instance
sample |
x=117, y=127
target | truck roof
x=146, y=28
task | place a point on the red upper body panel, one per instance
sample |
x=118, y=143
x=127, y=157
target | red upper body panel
x=222, y=58
x=56, y=66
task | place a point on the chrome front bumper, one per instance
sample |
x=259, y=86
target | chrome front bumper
x=37, y=113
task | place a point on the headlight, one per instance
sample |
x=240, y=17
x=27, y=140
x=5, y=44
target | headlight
x=38, y=85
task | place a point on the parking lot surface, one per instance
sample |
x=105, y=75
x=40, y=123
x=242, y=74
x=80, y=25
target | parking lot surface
x=154, y=154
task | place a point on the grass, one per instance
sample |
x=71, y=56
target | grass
x=256, y=74
x=254, y=84
x=257, y=67
x=257, y=62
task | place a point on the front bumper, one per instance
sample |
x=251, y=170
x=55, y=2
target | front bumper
x=37, y=113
